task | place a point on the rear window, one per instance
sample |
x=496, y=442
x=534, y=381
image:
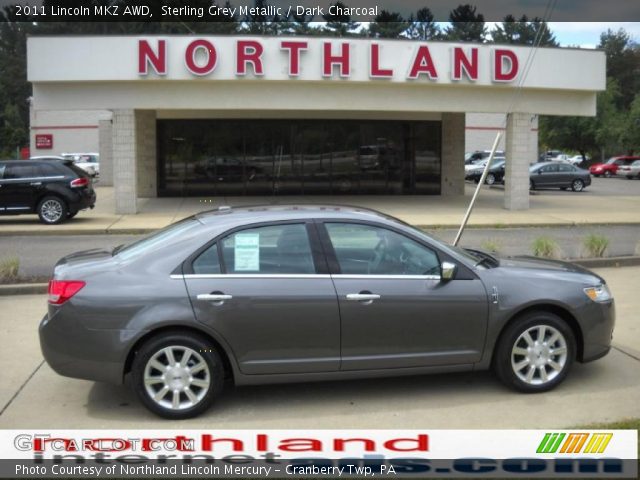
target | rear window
x=76, y=169
x=157, y=239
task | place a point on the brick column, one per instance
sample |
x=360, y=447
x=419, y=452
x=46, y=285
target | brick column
x=146, y=153
x=452, y=173
x=124, y=162
x=520, y=153
x=105, y=149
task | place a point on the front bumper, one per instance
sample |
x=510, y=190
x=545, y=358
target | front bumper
x=598, y=322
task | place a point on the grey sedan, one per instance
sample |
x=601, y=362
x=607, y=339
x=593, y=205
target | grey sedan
x=558, y=175
x=272, y=294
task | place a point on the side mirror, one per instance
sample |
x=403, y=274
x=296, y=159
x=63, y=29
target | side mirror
x=447, y=271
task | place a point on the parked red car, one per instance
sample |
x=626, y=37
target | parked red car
x=610, y=168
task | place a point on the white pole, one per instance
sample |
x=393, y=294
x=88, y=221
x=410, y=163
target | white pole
x=480, y=183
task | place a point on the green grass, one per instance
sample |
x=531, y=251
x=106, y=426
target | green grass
x=491, y=245
x=596, y=245
x=545, y=247
x=9, y=269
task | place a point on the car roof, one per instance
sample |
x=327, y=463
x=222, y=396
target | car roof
x=269, y=213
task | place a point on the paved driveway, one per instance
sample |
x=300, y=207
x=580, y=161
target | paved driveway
x=32, y=395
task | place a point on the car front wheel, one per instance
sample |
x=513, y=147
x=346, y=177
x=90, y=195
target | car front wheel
x=52, y=210
x=178, y=375
x=577, y=185
x=535, y=353
x=607, y=174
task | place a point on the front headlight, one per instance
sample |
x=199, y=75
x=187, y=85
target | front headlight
x=599, y=293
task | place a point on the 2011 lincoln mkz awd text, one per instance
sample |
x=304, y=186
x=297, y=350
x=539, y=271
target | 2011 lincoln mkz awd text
x=269, y=294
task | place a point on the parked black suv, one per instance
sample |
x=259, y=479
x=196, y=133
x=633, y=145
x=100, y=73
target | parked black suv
x=55, y=190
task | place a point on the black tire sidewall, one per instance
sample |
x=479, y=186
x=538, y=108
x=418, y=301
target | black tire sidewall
x=199, y=344
x=502, y=357
x=65, y=210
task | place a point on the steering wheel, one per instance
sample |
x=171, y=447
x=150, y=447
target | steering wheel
x=377, y=256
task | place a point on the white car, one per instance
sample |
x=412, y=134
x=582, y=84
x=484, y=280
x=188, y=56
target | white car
x=629, y=171
x=89, y=162
x=576, y=159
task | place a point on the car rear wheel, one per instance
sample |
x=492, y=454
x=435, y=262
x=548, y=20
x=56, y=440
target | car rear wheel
x=178, y=375
x=491, y=179
x=535, y=353
x=577, y=185
x=52, y=210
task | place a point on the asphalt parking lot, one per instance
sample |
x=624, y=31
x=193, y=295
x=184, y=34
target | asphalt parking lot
x=33, y=396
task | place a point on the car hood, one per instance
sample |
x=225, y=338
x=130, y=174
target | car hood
x=545, y=266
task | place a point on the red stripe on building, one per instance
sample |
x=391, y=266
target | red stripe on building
x=63, y=127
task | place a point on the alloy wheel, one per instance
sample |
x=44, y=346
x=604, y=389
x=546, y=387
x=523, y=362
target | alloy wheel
x=177, y=377
x=577, y=185
x=539, y=355
x=51, y=210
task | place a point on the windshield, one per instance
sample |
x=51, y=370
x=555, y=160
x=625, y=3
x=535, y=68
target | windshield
x=611, y=160
x=155, y=239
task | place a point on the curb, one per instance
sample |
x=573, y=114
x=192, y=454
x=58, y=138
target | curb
x=40, y=288
x=23, y=289
x=439, y=226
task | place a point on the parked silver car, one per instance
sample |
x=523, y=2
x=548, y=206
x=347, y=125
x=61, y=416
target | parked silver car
x=629, y=171
x=269, y=294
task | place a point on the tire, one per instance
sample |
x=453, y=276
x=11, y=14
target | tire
x=577, y=185
x=490, y=180
x=205, y=384
x=555, y=362
x=52, y=210
x=607, y=174
x=629, y=177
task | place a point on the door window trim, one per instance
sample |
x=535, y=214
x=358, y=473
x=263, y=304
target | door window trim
x=334, y=265
x=319, y=262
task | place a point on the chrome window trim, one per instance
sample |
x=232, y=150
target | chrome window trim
x=31, y=179
x=387, y=277
x=248, y=275
x=196, y=276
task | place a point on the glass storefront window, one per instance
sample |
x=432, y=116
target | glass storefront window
x=298, y=157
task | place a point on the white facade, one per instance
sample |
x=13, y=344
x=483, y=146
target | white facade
x=85, y=81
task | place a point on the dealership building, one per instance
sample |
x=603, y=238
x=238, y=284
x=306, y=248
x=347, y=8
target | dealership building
x=215, y=116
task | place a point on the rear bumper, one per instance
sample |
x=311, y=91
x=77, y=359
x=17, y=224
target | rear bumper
x=72, y=350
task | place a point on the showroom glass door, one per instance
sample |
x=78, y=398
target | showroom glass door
x=298, y=157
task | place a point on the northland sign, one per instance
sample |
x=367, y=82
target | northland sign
x=300, y=59
x=335, y=58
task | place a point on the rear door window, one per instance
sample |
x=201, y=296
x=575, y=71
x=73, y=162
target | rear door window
x=273, y=249
x=566, y=168
x=207, y=262
x=20, y=170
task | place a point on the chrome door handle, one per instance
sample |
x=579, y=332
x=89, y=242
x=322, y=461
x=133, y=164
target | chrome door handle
x=362, y=297
x=213, y=297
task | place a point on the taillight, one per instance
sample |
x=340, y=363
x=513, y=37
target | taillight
x=62, y=290
x=80, y=182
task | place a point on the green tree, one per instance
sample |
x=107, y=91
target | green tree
x=14, y=131
x=623, y=63
x=524, y=32
x=422, y=26
x=339, y=25
x=387, y=25
x=466, y=25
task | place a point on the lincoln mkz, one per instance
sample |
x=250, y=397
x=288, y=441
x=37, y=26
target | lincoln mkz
x=271, y=294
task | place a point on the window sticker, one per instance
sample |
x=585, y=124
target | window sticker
x=247, y=252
